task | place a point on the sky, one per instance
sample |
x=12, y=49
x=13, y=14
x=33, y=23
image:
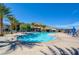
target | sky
x=51, y=14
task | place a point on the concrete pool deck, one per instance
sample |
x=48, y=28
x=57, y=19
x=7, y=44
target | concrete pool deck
x=63, y=41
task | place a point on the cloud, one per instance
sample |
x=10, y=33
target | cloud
x=76, y=24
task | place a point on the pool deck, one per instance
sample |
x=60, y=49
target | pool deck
x=63, y=41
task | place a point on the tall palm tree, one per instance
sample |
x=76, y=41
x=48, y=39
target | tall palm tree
x=4, y=11
x=14, y=22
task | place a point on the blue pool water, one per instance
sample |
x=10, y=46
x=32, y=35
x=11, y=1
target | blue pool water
x=36, y=37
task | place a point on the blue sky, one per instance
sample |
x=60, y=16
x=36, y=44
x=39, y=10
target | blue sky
x=49, y=14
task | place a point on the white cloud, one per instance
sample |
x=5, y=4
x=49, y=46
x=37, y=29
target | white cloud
x=76, y=24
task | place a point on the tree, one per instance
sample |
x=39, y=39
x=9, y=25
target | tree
x=25, y=27
x=14, y=22
x=28, y=27
x=4, y=11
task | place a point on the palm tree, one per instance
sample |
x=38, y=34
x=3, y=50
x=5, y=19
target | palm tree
x=14, y=22
x=4, y=11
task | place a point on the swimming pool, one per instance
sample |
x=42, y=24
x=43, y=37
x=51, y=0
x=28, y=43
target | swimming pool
x=36, y=37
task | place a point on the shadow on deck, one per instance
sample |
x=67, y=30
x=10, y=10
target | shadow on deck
x=12, y=46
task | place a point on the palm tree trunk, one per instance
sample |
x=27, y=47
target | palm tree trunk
x=1, y=25
x=11, y=27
